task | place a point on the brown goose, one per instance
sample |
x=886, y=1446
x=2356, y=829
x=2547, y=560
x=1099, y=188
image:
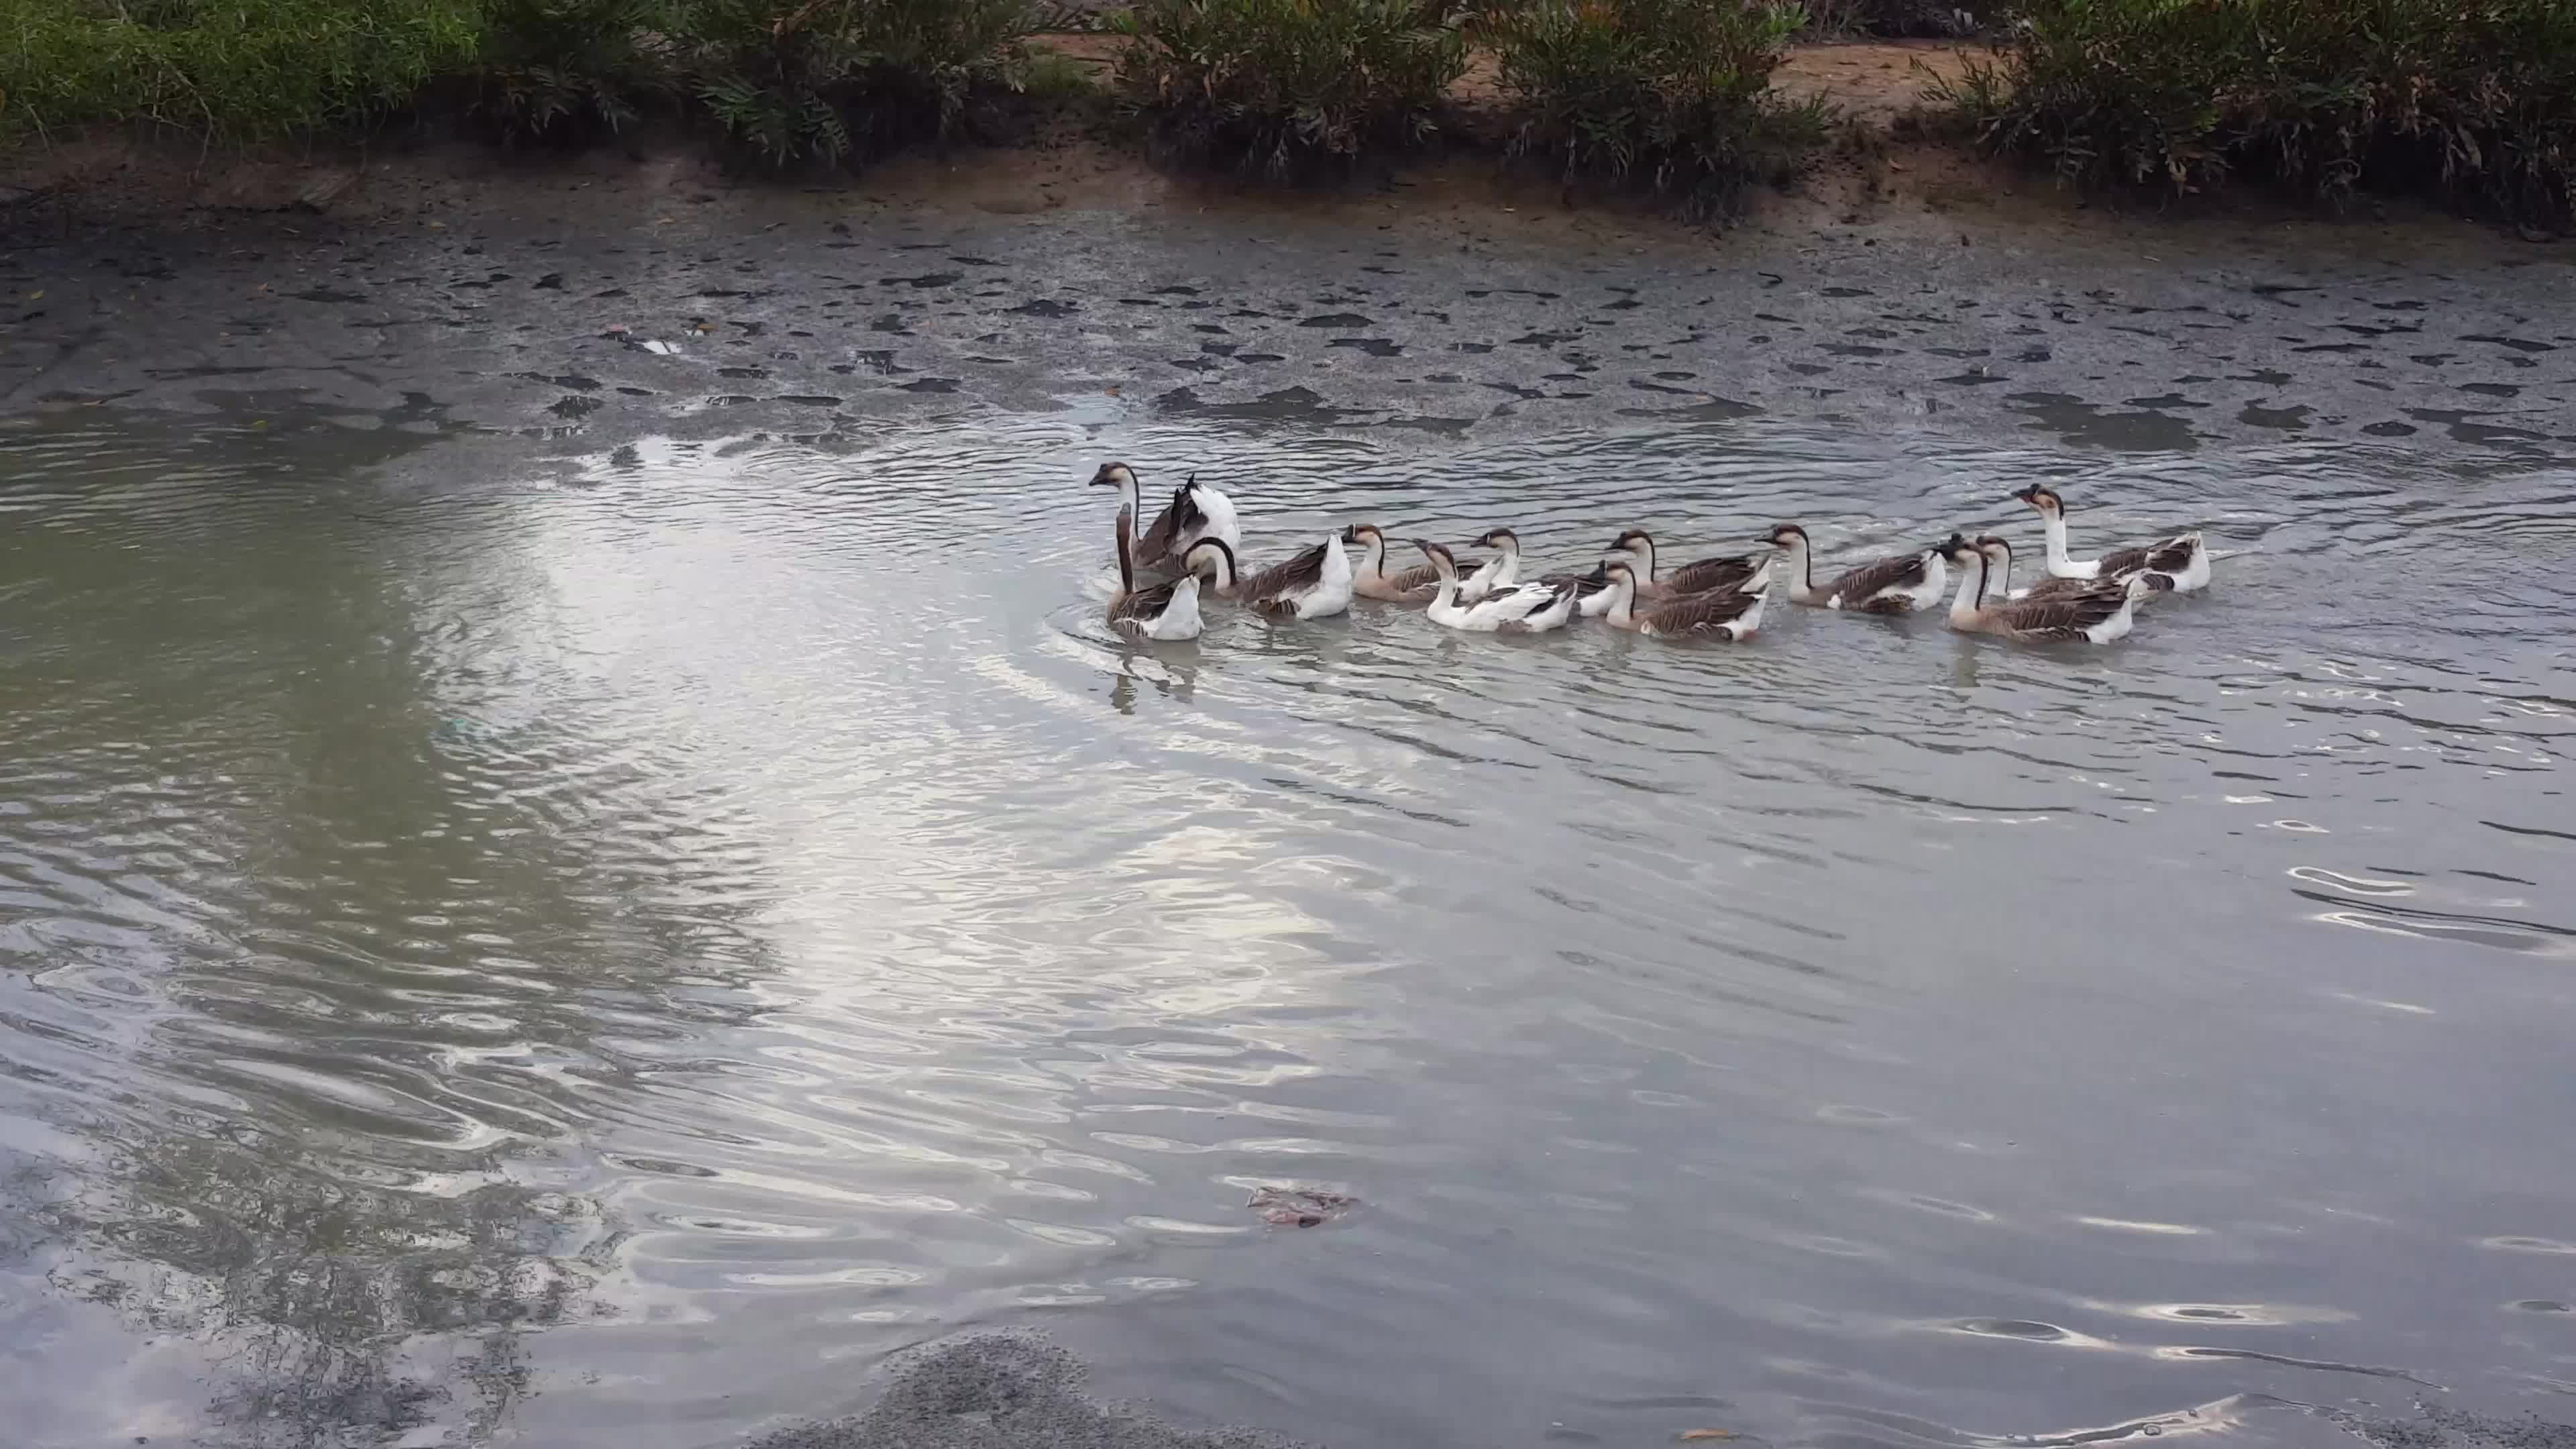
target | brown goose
x=1166, y=611
x=1310, y=585
x=2180, y=562
x=2100, y=614
x=1416, y=585
x=1731, y=614
x=1899, y=584
x=1747, y=572
x=1999, y=587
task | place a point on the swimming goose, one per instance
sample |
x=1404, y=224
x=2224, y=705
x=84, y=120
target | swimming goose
x=1897, y=585
x=1195, y=512
x=1519, y=609
x=1167, y=611
x=1743, y=571
x=1415, y=585
x=2182, y=561
x=2098, y=615
x=1731, y=614
x=1310, y=585
x=1999, y=577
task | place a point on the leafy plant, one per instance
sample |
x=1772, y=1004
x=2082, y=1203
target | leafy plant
x=235, y=70
x=825, y=81
x=1281, y=86
x=565, y=70
x=1669, y=95
x=2474, y=99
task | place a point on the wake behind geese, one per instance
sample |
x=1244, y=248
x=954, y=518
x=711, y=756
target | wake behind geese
x=1518, y=609
x=2180, y=563
x=1416, y=585
x=2101, y=613
x=1899, y=584
x=1196, y=511
x=1311, y=585
x=1730, y=614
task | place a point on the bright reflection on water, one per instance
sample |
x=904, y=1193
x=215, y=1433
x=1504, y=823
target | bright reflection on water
x=603, y=958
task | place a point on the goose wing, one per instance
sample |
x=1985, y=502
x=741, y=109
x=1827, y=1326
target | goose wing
x=2170, y=556
x=2064, y=618
x=2053, y=588
x=1701, y=613
x=1860, y=585
x=1143, y=606
x=1302, y=571
x=1522, y=601
x=1177, y=518
x=1713, y=573
x=1420, y=576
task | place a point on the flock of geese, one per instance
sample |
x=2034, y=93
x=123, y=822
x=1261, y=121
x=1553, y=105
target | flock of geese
x=1192, y=546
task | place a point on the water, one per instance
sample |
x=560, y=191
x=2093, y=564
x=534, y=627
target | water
x=601, y=956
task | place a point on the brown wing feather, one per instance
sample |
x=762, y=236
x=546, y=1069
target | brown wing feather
x=2047, y=589
x=1904, y=570
x=1178, y=517
x=1700, y=613
x=2063, y=618
x=1421, y=576
x=2171, y=556
x=1143, y=607
x=1712, y=573
x=1302, y=571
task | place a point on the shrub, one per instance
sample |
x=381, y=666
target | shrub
x=2474, y=99
x=1670, y=95
x=827, y=81
x=565, y=70
x=230, y=69
x=1282, y=86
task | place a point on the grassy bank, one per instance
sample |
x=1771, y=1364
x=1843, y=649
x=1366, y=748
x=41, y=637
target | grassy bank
x=2470, y=100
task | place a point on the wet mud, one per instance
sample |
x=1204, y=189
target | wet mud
x=606, y=304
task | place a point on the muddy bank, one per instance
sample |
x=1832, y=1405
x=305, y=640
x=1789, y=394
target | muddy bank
x=596, y=300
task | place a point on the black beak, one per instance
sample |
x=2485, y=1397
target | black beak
x=1350, y=535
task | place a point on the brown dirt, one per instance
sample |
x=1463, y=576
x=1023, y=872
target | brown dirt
x=1872, y=81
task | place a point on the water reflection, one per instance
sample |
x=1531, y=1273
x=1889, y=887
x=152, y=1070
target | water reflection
x=601, y=954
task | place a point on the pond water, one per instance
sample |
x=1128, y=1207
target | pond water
x=600, y=956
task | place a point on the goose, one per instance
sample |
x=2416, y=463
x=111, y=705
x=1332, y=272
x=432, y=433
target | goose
x=1730, y=614
x=1415, y=585
x=1999, y=577
x=1743, y=571
x=2181, y=562
x=1166, y=611
x=1195, y=512
x=1310, y=585
x=1519, y=609
x=2098, y=615
x=1897, y=585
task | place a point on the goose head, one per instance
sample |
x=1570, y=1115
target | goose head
x=1997, y=549
x=1956, y=551
x=2042, y=499
x=1114, y=475
x=1365, y=535
x=1440, y=556
x=1784, y=536
x=1213, y=557
x=1501, y=538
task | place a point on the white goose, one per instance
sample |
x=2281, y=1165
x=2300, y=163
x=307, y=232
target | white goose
x=1309, y=585
x=1520, y=609
x=1167, y=611
x=1196, y=511
x=2180, y=563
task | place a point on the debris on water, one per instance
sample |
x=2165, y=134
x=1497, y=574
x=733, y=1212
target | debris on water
x=1689, y=1436
x=1299, y=1207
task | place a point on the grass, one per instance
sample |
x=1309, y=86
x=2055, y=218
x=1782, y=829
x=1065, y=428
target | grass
x=249, y=70
x=1288, y=87
x=1668, y=96
x=2470, y=100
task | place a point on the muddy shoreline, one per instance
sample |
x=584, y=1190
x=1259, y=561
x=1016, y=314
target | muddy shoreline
x=582, y=303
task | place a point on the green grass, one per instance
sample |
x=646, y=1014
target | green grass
x=1288, y=87
x=2471, y=100
x=1668, y=96
x=237, y=69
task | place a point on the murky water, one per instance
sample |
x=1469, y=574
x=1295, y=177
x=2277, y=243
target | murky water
x=600, y=959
